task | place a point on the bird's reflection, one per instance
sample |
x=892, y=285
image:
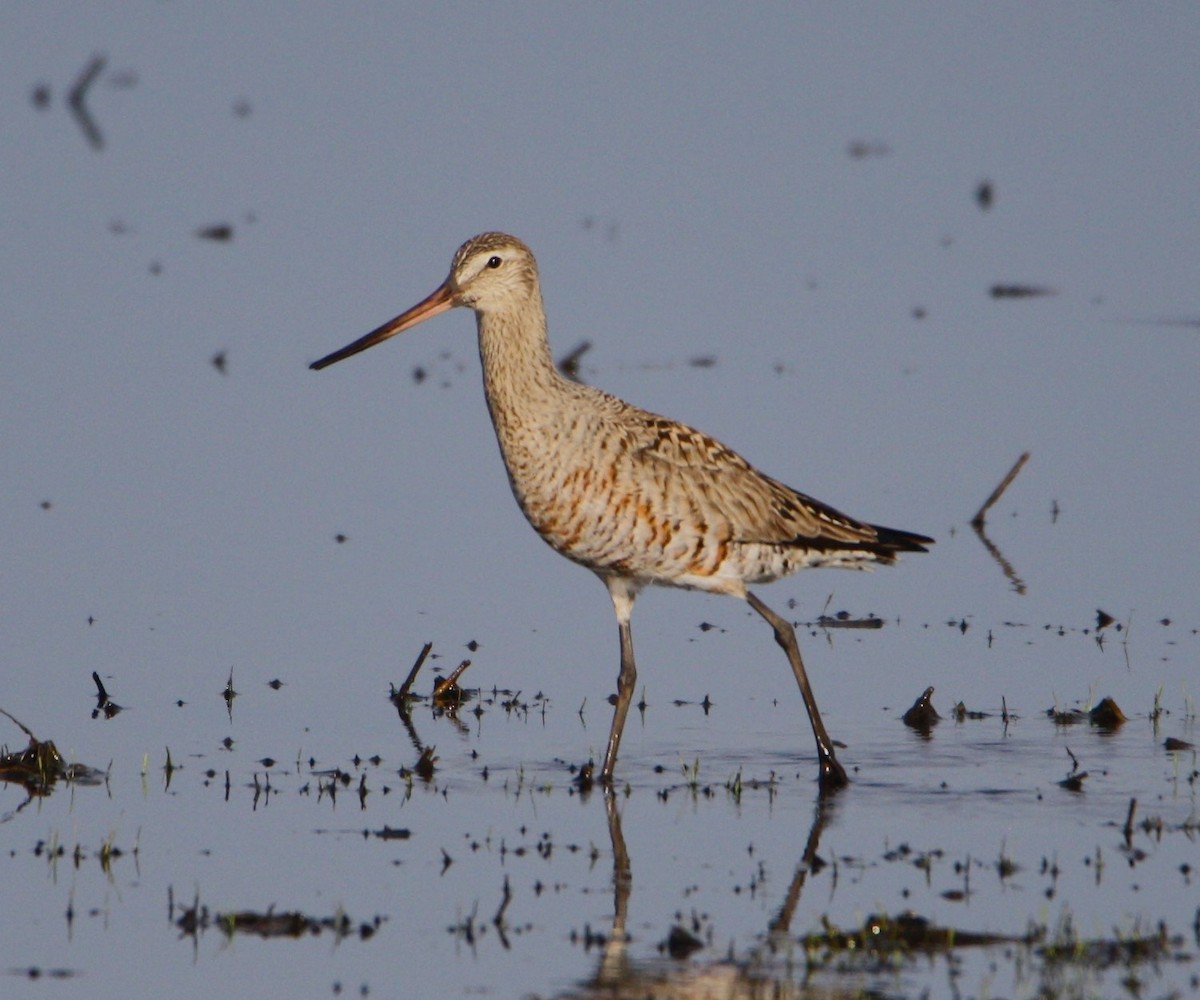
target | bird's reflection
x=621, y=977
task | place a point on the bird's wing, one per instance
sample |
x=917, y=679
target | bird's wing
x=716, y=478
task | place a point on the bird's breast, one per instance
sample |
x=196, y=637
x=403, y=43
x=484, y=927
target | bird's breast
x=584, y=487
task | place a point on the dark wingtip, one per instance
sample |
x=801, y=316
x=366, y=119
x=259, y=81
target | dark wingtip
x=896, y=540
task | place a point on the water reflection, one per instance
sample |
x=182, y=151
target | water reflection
x=979, y=521
x=856, y=961
x=618, y=975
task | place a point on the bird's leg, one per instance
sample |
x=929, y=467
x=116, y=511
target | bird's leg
x=833, y=775
x=625, y=682
x=623, y=592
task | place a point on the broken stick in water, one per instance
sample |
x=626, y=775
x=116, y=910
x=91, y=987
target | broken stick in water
x=401, y=693
x=980, y=517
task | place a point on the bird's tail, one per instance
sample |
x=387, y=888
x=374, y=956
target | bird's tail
x=890, y=542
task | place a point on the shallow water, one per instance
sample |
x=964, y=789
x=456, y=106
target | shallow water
x=968, y=828
x=178, y=526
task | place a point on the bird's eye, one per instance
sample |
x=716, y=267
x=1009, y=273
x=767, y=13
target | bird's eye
x=493, y=262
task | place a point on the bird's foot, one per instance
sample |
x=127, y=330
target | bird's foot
x=833, y=775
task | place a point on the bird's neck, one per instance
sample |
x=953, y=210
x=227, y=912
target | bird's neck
x=519, y=375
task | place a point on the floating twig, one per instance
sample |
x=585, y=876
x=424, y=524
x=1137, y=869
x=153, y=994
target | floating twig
x=401, y=693
x=980, y=518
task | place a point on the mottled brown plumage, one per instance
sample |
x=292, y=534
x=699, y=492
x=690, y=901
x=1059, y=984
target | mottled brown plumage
x=634, y=497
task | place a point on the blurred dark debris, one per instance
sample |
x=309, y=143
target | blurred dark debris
x=584, y=776
x=888, y=942
x=703, y=361
x=442, y=370
x=962, y=713
x=1185, y=322
x=843, y=619
x=221, y=232
x=40, y=96
x=105, y=706
x=1066, y=716
x=229, y=694
x=124, y=79
x=241, y=108
x=76, y=97
x=1173, y=745
x=680, y=943
x=999, y=291
x=569, y=365
x=861, y=149
x=1074, y=782
x=46, y=505
x=985, y=195
x=1106, y=714
x=37, y=972
x=902, y=934
x=922, y=716
x=612, y=229
x=40, y=766
x=37, y=767
x=195, y=919
x=426, y=764
x=389, y=833
x=219, y=362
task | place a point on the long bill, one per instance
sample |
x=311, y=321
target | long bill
x=438, y=302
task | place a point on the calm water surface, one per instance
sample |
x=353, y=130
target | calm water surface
x=802, y=211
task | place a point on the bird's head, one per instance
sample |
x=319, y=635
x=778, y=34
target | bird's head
x=491, y=272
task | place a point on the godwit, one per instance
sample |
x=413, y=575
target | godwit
x=634, y=497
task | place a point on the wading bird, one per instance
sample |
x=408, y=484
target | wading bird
x=636, y=498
